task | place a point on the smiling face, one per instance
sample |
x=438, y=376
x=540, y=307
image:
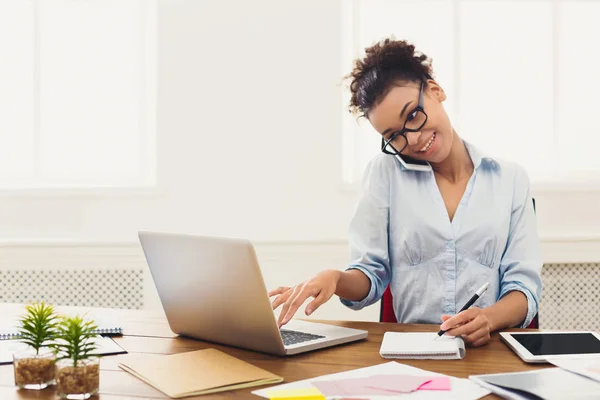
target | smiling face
x=433, y=141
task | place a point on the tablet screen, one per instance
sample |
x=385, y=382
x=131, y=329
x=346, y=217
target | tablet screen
x=559, y=343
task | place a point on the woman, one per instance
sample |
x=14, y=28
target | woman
x=437, y=231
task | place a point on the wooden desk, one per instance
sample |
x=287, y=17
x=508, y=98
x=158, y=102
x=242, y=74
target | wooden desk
x=147, y=332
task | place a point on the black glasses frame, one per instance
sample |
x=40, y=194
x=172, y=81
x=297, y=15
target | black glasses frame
x=388, y=143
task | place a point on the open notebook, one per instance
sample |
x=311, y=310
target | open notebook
x=197, y=372
x=105, y=346
x=421, y=345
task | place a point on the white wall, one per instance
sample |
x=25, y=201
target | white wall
x=248, y=137
x=249, y=140
x=248, y=132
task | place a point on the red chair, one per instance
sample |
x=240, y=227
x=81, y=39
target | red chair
x=386, y=314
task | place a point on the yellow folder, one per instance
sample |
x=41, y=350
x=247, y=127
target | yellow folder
x=197, y=372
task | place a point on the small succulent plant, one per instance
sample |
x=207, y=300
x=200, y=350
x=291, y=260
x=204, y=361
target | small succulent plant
x=38, y=327
x=75, y=339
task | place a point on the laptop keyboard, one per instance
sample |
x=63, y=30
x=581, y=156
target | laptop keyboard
x=294, y=337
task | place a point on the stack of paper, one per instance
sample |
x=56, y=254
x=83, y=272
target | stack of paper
x=385, y=380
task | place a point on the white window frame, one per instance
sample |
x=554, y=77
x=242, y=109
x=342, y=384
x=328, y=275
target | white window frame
x=351, y=171
x=148, y=183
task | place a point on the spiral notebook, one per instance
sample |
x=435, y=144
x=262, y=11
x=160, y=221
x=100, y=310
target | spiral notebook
x=421, y=345
x=104, y=328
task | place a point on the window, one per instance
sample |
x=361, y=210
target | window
x=519, y=77
x=77, y=93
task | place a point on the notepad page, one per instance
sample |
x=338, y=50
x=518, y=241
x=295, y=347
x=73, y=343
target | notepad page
x=425, y=345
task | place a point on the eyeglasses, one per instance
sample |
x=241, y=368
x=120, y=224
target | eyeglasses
x=414, y=122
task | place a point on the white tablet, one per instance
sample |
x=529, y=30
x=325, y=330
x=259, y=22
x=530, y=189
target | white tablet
x=537, y=347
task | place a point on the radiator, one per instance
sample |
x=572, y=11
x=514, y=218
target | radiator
x=570, y=297
x=110, y=288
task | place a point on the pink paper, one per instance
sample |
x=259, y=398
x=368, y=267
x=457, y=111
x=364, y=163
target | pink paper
x=397, y=383
x=349, y=387
x=436, y=383
x=378, y=385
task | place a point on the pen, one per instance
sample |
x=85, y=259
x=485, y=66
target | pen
x=472, y=300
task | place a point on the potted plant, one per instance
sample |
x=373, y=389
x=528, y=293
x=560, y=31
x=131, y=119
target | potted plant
x=34, y=365
x=77, y=368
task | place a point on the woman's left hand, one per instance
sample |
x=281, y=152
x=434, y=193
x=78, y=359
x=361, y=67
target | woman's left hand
x=473, y=325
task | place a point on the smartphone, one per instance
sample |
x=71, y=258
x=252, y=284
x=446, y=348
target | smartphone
x=413, y=164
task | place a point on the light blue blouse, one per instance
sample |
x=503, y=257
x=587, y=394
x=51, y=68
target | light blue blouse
x=401, y=235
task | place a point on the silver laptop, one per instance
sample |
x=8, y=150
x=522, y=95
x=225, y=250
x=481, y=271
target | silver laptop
x=212, y=289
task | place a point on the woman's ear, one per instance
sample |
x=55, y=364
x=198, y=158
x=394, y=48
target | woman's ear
x=436, y=90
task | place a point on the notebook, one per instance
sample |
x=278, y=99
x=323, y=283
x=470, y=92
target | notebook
x=197, y=372
x=546, y=384
x=421, y=345
x=105, y=347
x=106, y=326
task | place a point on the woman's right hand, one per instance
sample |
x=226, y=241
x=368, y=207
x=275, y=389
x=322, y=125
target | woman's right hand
x=322, y=286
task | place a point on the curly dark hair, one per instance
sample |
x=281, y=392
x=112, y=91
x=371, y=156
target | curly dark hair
x=385, y=63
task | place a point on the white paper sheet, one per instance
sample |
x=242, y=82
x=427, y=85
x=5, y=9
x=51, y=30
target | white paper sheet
x=588, y=367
